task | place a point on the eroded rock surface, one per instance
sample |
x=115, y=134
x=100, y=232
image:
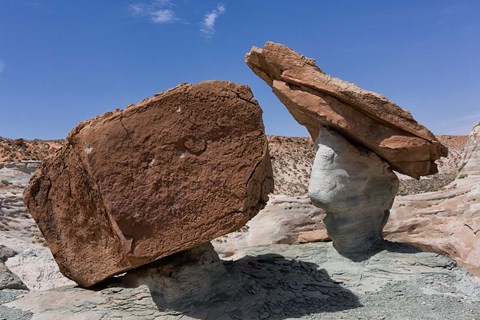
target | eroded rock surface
x=9, y=280
x=446, y=221
x=471, y=161
x=134, y=185
x=309, y=281
x=355, y=188
x=284, y=220
x=316, y=99
x=361, y=137
x=25, y=253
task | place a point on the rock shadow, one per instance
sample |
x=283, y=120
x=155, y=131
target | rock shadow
x=379, y=246
x=253, y=287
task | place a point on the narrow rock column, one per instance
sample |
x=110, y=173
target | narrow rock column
x=356, y=189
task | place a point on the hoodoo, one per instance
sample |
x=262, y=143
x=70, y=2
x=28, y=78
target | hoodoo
x=360, y=137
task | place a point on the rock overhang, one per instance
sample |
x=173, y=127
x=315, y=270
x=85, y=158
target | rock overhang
x=367, y=118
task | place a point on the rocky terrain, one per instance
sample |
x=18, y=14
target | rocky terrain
x=292, y=160
x=309, y=281
x=160, y=211
x=14, y=150
x=266, y=273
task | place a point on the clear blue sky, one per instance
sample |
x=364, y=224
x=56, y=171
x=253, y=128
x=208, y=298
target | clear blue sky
x=65, y=61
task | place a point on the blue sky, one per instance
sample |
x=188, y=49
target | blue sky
x=65, y=61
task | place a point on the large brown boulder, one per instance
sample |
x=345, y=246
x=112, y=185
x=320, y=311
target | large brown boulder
x=132, y=186
x=316, y=99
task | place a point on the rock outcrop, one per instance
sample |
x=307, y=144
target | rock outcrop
x=446, y=221
x=135, y=185
x=316, y=99
x=356, y=189
x=284, y=220
x=361, y=137
x=307, y=281
x=470, y=166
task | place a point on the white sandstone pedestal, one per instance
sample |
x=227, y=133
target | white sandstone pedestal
x=355, y=187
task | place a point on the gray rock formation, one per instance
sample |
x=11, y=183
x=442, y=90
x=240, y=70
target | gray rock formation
x=355, y=188
x=471, y=161
x=309, y=281
x=9, y=280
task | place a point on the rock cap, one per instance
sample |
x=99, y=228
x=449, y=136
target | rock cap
x=316, y=99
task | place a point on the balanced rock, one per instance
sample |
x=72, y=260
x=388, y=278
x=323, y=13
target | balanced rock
x=355, y=188
x=135, y=185
x=316, y=99
x=361, y=137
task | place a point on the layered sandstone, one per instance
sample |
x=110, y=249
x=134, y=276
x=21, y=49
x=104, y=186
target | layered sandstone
x=360, y=137
x=134, y=185
x=471, y=159
x=316, y=99
x=446, y=221
x=356, y=189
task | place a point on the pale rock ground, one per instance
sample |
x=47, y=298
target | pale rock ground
x=309, y=281
x=33, y=261
x=283, y=221
x=446, y=222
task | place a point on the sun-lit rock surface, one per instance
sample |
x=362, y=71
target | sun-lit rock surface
x=355, y=188
x=132, y=186
x=446, y=221
x=316, y=99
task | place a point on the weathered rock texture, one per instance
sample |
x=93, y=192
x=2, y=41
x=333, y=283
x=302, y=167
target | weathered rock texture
x=284, y=220
x=316, y=99
x=471, y=159
x=307, y=281
x=447, y=221
x=355, y=188
x=292, y=160
x=135, y=185
x=359, y=134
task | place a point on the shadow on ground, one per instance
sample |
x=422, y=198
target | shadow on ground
x=382, y=245
x=254, y=287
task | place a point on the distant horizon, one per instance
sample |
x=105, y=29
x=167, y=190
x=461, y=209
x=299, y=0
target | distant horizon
x=63, y=63
x=268, y=135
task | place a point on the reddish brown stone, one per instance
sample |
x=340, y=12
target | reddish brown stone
x=135, y=185
x=316, y=99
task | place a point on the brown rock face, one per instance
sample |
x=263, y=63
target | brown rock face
x=134, y=185
x=316, y=99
